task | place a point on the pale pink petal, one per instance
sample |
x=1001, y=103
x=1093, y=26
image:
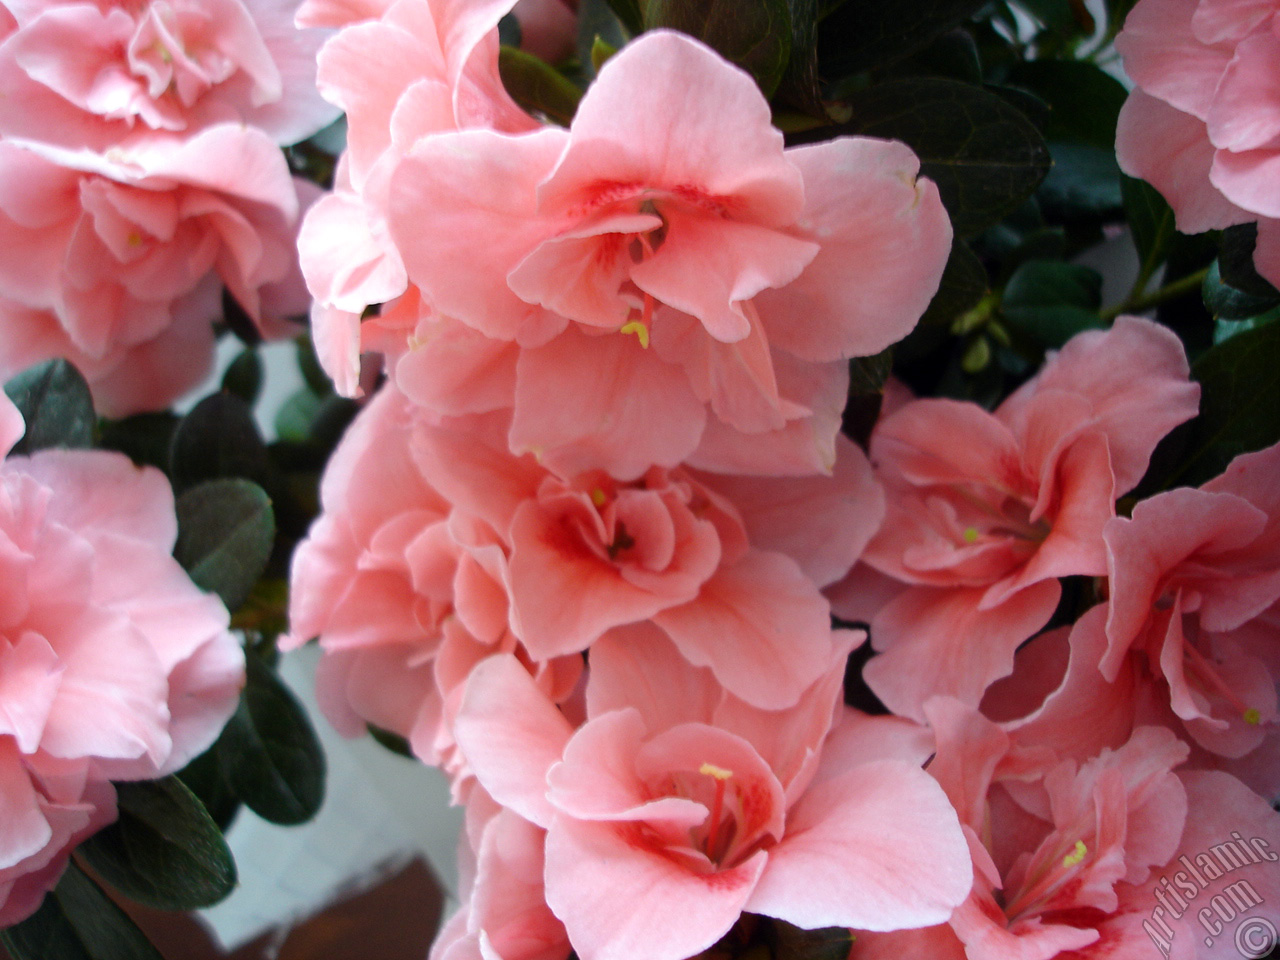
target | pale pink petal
x=885, y=238
x=760, y=625
x=511, y=735
x=1245, y=114
x=851, y=859
x=1165, y=59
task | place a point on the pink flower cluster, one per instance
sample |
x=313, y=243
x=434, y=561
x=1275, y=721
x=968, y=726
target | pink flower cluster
x=1203, y=125
x=113, y=665
x=582, y=548
x=140, y=172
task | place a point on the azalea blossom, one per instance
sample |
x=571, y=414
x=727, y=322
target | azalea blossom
x=987, y=510
x=1203, y=125
x=635, y=268
x=113, y=665
x=676, y=806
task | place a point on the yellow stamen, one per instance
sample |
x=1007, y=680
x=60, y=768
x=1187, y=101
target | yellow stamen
x=971, y=535
x=1252, y=717
x=1071, y=859
x=639, y=329
x=598, y=497
x=711, y=770
x=135, y=239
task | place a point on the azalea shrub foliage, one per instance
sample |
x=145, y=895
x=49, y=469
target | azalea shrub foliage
x=715, y=453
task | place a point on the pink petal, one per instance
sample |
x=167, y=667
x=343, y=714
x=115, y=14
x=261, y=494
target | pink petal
x=850, y=859
x=760, y=625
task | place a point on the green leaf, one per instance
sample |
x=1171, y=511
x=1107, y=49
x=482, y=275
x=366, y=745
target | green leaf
x=1236, y=261
x=628, y=11
x=1051, y=301
x=599, y=19
x=871, y=33
x=1084, y=101
x=798, y=88
x=1239, y=403
x=537, y=86
x=218, y=438
x=391, y=741
x=269, y=754
x=985, y=156
x=296, y=414
x=226, y=531
x=77, y=921
x=203, y=776
x=964, y=282
x=1225, y=302
x=1150, y=221
x=754, y=34
x=244, y=376
x=788, y=942
x=145, y=438
x=1084, y=180
x=55, y=403
x=164, y=851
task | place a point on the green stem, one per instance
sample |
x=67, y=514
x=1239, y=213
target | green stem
x=1135, y=303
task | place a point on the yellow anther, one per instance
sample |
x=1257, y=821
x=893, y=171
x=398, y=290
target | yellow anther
x=639, y=329
x=1252, y=717
x=135, y=239
x=1071, y=859
x=971, y=535
x=598, y=497
x=711, y=770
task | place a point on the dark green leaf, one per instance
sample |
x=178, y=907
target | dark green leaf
x=269, y=753
x=985, y=156
x=218, y=438
x=77, y=922
x=244, y=376
x=754, y=34
x=788, y=942
x=204, y=777
x=964, y=282
x=628, y=11
x=1085, y=180
x=312, y=373
x=597, y=18
x=1224, y=330
x=164, y=851
x=238, y=320
x=509, y=32
x=1227, y=303
x=537, y=86
x=867, y=376
x=391, y=741
x=296, y=414
x=1062, y=19
x=1051, y=301
x=953, y=55
x=799, y=87
x=1083, y=100
x=1239, y=403
x=1150, y=220
x=225, y=534
x=55, y=403
x=1236, y=261
x=870, y=33
x=146, y=438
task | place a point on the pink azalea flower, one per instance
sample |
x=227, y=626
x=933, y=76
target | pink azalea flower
x=1204, y=124
x=113, y=665
x=399, y=71
x=986, y=511
x=87, y=74
x=676, y=806
x=124, y=251
x=1195, y=591
x=649, y=274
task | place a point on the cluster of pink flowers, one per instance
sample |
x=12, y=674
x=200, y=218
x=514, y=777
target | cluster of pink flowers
x=140, y=173
x=113, y=665
x=1203, y=125
x=582, y=548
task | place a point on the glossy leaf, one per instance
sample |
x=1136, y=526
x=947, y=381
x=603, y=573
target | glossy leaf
x=985, y=156
x=55, y=402
x=1084, y=101
x=164, y=851
x=1236, y=261
x=754, y=34
x=1051, y=301
x=871, y=33
x=1239, y=403
x=268, y=752
x=146, y=438
x=244, y=376
x=226, y=530
x=217, y=439
x=1150, y=220
x=77, y=921
x=537, y=86
x=1225, y=302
